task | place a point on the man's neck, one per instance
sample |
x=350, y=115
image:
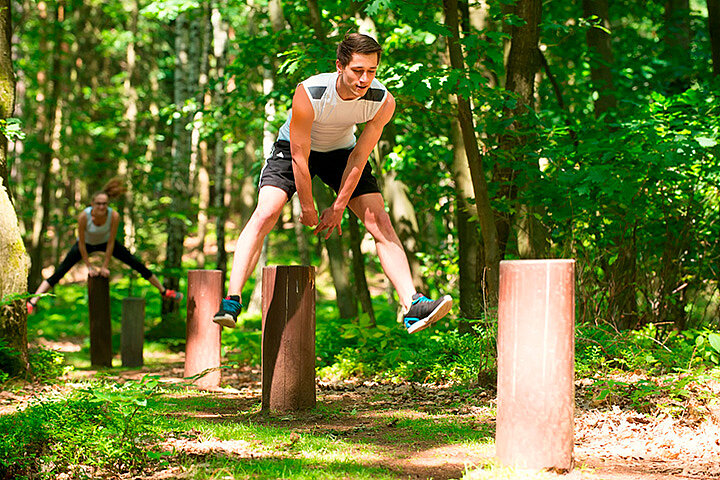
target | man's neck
x=339, y=90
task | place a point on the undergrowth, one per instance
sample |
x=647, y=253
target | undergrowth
x=99, y=427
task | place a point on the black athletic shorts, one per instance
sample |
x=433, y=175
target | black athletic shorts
x=329, y=166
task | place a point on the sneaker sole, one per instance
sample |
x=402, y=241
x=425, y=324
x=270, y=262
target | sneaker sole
x=225, y=321
x=439, y=312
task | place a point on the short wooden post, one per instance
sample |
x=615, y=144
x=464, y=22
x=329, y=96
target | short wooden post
x=132, y=335
x=100, y=330
x=202, y=346
x=288, y=338
x=536, y=354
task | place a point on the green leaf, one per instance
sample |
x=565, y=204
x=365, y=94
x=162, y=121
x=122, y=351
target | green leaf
x=714, y=339
x=706, y=141
x=375, y=5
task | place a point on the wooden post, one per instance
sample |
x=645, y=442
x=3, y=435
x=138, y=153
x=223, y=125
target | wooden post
x=202, y=346
x=536, y=354
x=100, y=330
x=132, y=335
x=288, y=338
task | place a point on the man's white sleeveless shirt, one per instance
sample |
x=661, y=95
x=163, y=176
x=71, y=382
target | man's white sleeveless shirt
x=335, y=119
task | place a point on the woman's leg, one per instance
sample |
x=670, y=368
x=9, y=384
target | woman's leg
x=124, y=255
x=72, y=257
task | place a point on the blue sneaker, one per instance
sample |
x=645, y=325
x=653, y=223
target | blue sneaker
x=424, y=312
x=230, y=307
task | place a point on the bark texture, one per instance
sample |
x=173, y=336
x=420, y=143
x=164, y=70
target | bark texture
x=491, y=248
x=15, y=262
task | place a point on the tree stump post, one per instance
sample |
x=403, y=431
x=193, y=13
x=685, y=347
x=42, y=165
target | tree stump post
x=100, y=329
x=536, y=354
x=288, y=338
x=202, y=346
x=132, y=335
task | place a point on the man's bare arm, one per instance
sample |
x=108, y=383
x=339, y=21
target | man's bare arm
x=300, y=127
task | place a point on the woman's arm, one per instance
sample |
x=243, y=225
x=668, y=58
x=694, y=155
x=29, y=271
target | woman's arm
x=114, y=222
x=82, y=225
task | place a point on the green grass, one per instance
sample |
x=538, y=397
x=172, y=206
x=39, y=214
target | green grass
x=129, y=428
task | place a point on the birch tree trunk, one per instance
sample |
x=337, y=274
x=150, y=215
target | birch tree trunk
x=183, y=87
x=200, y=177
x=220, y=38
x=125, y=169
x=14, y=266
x=277, y=22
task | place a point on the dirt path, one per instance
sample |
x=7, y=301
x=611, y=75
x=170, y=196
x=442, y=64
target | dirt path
x=612, y=443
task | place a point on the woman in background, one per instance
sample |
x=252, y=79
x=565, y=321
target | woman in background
x=97, y=228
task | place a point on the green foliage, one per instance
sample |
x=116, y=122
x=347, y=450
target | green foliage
x=46, y=364
x=439, y=354
x=100, y=427
x=8, y=361
x=643, y=395
x=11, y=129
x=650, y=350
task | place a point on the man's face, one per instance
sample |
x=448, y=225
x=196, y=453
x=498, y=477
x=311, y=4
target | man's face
x=355, y=78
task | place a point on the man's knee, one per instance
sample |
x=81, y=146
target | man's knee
x=378, y=223
x=266, y=215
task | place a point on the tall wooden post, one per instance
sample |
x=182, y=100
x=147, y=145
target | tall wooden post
x=100, y=329
x=132, y=335
x=202, y=346
x=536, y=354
x=288, y=338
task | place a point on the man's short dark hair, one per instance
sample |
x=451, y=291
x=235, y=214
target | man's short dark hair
x=357, y=43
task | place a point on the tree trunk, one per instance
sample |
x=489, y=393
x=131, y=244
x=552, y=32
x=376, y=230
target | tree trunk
x=358, y=267
x=201, y=180
x=14, y=266
x=41, y=218
x=337, y=256
x=220, y=38
x=254, y=306
x=601, y=56
x=491, y=247
x=470, y=260
x=622, y=273
x=183, y=87
x=522, y=64
x=676, y=41
x=713, y=7
x=400, y=208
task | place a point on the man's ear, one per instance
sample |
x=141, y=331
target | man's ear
x=338, y=66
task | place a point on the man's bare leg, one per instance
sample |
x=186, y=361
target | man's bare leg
x=249, y=244
x=370, y=209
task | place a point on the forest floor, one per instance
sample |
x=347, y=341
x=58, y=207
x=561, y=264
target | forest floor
x=611, y=442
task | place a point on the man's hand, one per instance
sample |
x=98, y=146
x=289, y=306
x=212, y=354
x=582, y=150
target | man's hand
x=309, y=217
x=330, y=220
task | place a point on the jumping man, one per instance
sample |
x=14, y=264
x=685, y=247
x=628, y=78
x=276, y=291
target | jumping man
x=318, y=139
